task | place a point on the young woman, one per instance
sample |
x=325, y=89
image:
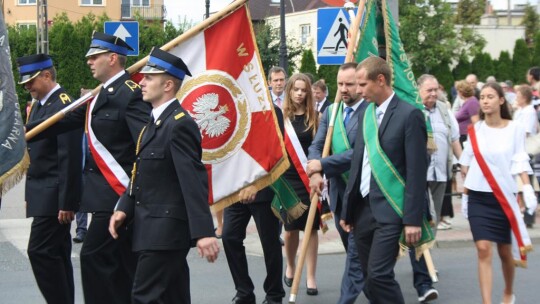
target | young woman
x=301, y=120
x=494, y=153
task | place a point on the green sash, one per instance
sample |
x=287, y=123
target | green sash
x=388, y=178
x=287, y=200
x=340, y=141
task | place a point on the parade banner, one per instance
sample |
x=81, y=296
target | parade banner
x=13, y=155
x=228, y=98
x=403, y=80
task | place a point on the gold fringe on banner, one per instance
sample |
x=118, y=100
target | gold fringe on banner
x=15, y=174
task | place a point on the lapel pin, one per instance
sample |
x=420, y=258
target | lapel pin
x=110, y=90
x=158, y=122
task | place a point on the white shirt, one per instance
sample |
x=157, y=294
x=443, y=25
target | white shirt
x=504, y=152
x=319, y=104
x=281, y=99
x=156, y=112
x=528, y=119
x=366, y=169
x=44, y=99
x=437, y=170
x=108, y=82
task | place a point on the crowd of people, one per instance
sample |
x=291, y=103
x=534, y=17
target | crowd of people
x=379, y=181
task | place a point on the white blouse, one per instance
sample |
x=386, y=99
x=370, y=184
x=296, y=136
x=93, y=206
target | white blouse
x=528, y=118
x=503, y=150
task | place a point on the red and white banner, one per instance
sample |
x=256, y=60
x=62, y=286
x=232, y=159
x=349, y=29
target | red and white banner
x=228, y=98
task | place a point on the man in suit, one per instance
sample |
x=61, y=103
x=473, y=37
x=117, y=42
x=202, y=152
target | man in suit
x=53, y=183
x=277, y=79
x=113, y=121
x=319, y=95
x=168, y=193
x=236, y=219
x=336, y=168
x=377, y=220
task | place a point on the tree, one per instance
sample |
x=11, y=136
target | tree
x=535, y=60
x=482, y=66
x=462, y=69
x=521, y=61
x=428, y=34
x=470, y=11
x=504, y=67
x=329, y=74
x=308, y=64
x=267, y=38
x=531, y=21
x=444, y=76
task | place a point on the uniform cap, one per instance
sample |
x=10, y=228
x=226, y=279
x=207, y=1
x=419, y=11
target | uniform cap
x=104, y=43
x=31, y=66
x=162, y=62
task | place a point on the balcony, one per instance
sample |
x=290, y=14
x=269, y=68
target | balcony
x=146, y=12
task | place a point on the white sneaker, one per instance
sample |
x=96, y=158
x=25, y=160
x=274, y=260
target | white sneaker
x=429, y=295
x=444, y=226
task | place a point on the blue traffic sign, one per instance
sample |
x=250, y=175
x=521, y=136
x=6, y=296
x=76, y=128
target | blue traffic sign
x=332, y=35
x=128, y=31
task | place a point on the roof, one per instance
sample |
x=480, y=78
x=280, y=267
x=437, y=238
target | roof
x=260, y=9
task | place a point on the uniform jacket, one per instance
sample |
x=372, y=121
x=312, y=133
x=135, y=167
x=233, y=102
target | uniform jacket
x=118, y=116
x=403, y=137
x=337, y=164
x=53, y=180
x=168, y=195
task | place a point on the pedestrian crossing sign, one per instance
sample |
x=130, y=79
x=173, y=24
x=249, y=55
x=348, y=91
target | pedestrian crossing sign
x=332, y=35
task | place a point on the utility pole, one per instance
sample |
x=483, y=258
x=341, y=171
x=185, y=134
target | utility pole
x=207, y=9
x=42, y=28
x=283, y=41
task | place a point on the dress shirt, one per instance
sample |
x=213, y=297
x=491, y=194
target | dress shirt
x=156, y=112
x=366, y=169
x=44, y=99
x=437, y=170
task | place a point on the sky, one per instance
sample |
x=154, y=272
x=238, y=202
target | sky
x=194, y=10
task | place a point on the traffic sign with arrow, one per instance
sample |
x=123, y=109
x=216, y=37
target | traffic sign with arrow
x=127, y=31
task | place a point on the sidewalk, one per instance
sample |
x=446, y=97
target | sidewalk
x=330, y=243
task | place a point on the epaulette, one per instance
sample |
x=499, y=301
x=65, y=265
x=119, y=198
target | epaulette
x=178, y=116
x=65, y=98
x=132, y=85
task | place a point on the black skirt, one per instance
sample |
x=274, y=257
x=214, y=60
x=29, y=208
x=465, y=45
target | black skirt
x=487, y=218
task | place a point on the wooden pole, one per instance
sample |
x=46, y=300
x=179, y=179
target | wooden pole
x=138, y=65
x=326, y=151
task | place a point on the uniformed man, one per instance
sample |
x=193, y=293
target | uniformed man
x=168, y=193
x=52, y=195
x=113, y=121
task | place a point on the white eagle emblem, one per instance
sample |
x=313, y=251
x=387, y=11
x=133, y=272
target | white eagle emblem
x=213, y=123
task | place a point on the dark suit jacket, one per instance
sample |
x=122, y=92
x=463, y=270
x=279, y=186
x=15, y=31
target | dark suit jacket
x=168, y=196
x=325, y=104
x=335, y=165
x=53, y=180
x=117, y=119
x=403, y=137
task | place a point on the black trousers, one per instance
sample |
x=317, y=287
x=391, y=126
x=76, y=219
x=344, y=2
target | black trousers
x=49, y=251
x=162, y=277
x=107, y=265
x=235, y=220
x=378, y=248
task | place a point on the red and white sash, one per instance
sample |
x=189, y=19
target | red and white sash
x=521, y=242
x=296, y=153
x=107, y=164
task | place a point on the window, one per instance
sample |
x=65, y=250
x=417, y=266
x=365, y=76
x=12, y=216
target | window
x=26, y=2
x=26, y=26
x=139, y=3
x=305, y=31
x=91, y=2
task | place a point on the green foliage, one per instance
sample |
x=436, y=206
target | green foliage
x=428, y=34
x=444, y=76
x=307, y=64
x=267, y=38
x=504, y=67
x=521, y=61
x=470, y=11
x=462, y=69
x=531, y=21
x=535, y=60
x=482, y=66
x=329, y=74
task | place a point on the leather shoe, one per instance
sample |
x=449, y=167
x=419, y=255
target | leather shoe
x=238, y=300
x=312, y=291
x=270, y=301
x=287, y=281
x=79, y=238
